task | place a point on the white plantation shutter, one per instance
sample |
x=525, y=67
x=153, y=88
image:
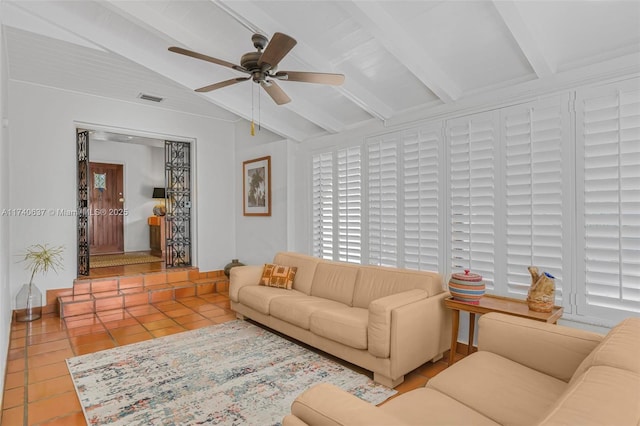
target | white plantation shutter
x=534, y=136
x=421, y=162
x=608, y=191
x=472, y=145
x=383, y=200
x=349, y=205
x=518, y=186
x=323, y=204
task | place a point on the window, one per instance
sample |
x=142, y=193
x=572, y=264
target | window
x=400, y=187
x=383, y=200
x=608, y=191
x=403, y=199
x=472, y=194
x=518, y=186
x=349, y=205
x=535, y=136
x=421, y=197
x=322, y=176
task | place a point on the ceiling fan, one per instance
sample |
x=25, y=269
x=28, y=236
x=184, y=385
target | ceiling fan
x=261, y=66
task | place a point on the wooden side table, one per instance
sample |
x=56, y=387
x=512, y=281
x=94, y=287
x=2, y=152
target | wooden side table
x=491, y=303
x=157, y=239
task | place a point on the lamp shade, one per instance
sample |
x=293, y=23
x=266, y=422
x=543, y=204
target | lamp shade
x=158, y=193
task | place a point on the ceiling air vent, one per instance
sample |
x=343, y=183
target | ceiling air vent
x=150, y=97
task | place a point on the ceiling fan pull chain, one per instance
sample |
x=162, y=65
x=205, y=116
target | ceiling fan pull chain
x=259, y=109
x=253, y=129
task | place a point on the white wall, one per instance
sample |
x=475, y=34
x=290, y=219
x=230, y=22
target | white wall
x=43, y=171
x=143, y=170
x=5, y=291
x=258, y=238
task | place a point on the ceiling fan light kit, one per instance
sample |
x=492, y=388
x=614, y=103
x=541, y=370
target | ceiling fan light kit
x=261, y=66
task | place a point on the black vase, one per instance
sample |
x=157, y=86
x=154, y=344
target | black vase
x=233, y=264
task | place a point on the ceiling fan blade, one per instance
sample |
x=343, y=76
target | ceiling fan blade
x=222, y=84
x=276, y=93
x=277, y=49
x=310, y=77
x=197, y=55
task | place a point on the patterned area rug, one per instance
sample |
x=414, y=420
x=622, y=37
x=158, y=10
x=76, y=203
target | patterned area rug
x=229, y=374
x=104, y=260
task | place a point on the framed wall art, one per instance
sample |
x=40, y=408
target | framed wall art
x=256, y=187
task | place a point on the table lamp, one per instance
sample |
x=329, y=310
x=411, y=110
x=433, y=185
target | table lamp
x=159, y=194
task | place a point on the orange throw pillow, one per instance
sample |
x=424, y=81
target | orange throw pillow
x=278, y=276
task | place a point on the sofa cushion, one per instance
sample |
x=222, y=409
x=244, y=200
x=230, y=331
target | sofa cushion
x=375, y=282
x=555, y=350
x=602, y=395
x=306, y=268
x=259, y=297
x=335, y=281
x=298, y=310
x=619, y=348
x=343, y=325
x=425, y=406
x=279, y=276
x=498, y=388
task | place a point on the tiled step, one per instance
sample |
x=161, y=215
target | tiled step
x=103, y=294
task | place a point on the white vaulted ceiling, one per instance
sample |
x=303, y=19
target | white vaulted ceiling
x=401, y=59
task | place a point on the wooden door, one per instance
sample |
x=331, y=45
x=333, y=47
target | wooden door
x=106, y=208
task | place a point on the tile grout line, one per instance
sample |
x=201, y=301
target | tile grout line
x=113, y=338
x=25, y=401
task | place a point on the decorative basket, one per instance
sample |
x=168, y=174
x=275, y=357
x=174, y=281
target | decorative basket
x=542, y=293
x=467, y=287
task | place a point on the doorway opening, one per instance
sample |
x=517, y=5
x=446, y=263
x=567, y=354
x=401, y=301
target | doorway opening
x=117, y=175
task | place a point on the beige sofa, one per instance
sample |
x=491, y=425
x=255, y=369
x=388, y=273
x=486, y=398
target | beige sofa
x=525, y=373
x=389, y=321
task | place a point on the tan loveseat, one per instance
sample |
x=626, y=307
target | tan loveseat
x=389, y=321
x=525, y=373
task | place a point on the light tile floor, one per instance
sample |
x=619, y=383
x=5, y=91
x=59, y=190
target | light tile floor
x=38, y=387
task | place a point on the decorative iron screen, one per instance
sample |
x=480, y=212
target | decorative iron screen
x=82, y=151
x=178, y=203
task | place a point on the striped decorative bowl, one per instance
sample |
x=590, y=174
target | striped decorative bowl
x=466, y=287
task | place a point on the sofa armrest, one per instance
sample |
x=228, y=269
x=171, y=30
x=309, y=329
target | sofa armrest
x=420, y=331
x=326, y=404
x=241, y=276
x=379, y=328
x=551, y=349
